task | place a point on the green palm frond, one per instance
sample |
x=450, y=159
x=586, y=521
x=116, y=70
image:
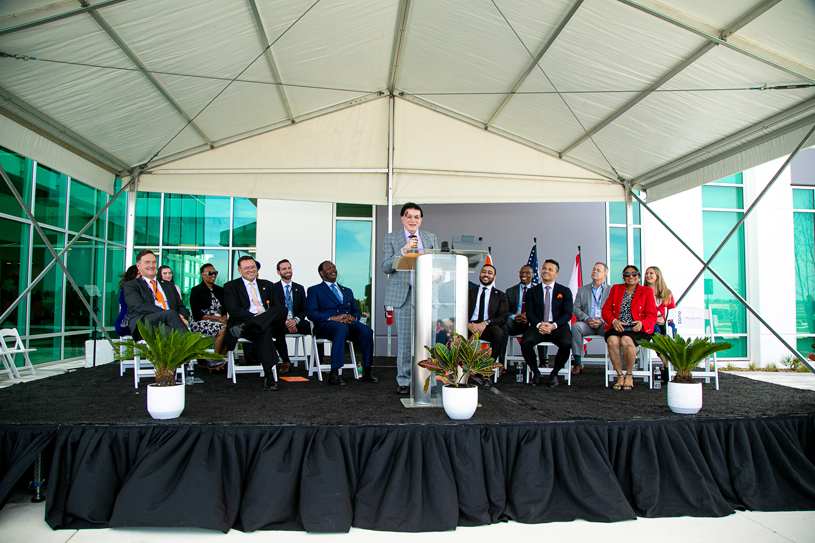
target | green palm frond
x=684, y=355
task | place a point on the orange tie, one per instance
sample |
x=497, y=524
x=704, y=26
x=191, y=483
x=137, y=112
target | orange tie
x=159, y=295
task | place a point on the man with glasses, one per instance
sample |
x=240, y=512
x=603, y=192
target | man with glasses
x=588, y=310
x=549, y=312
x=257, y=315
x=152, y=299
x=517, y=323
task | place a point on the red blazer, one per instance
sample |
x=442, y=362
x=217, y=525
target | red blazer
x=643, y=307
x=662, y=308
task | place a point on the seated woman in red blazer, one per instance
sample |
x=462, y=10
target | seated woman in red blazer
x=630, y=313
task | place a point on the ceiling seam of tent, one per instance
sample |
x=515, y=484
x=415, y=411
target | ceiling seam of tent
x=398, y=44
x=94, y=152
x=60, y=17
x=233, y=80
x=713, y=34
x=120, y=43
x=264, y=42
x=535, y=60
x=649, y=179
x=676, y=70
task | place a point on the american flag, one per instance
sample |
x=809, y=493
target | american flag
x=533, y=262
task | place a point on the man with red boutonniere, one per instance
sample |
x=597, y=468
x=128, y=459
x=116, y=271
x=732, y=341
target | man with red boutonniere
x=256, y=315
x=549, y=312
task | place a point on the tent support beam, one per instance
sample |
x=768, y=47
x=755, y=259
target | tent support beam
x=534, y=62
x=264, y=42
x=724, y=283
x=61, y=16
x=390, y=163
x=57, y=258
x=803, y=123
x=45, y=126
x=398, y=42
x=150, y=78
x=735, y=27
x=746, y=213
x=733, y=42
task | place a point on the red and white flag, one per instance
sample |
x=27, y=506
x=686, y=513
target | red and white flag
x=488, y=260
x=576, y=281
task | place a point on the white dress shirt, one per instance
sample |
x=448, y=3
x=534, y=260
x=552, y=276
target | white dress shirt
x=481, y=288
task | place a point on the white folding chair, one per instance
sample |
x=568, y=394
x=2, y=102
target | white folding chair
x=124, y=364
x=594, y=359
x=644, y=371
x=234, y=369
x=144, y=368
x=565, y=372
x=696, y=322
x=299, y=341
x=8, y=354
x=314, y=365
x=497, y=370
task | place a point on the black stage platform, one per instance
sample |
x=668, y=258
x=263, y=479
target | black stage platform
x=321, y=458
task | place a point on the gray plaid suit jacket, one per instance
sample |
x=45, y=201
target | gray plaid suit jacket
x=397, y=289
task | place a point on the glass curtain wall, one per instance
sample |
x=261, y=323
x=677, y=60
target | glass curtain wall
x=722, y=207
x=617, y=257
x=803, y=204
x=51, y=318
x=353, y=245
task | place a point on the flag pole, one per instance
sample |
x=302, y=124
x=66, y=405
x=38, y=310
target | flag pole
x=580, y=264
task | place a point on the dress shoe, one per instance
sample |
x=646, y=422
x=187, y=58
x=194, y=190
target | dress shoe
x=403, y=389
x=553, y=380
x=477, y=380
x=535, y=380
x=335, y=379
x=269, y=384
x=367, y=376
x=237, y=330
x=285, y=367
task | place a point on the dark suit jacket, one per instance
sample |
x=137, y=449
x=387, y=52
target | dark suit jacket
x=298, y=298
x=236, y=300
x=514, y=296
x=498, y=310
x=201, y=299
x=322, y=304
x=561, y=305
x=140, y=301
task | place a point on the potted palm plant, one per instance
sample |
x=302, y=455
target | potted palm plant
x=684, y=393
x=453, y=364
x=167, y=350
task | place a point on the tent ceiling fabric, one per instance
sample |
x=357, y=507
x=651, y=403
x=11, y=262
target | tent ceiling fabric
x=667, y=95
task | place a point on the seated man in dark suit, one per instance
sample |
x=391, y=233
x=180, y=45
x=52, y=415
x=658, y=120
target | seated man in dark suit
x=152, y=299
x=517, y=323
x=255, y=314
x=335, y=315
x=293, y=297
x=488, y=310
x=549, y=311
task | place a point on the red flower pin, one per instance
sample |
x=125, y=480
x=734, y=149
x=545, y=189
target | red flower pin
x=560, y=295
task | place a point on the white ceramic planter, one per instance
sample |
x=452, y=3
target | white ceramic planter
x=685, y=398
x=459, y=402
x=165, y=402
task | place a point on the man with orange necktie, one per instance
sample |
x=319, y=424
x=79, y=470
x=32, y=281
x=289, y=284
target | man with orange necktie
x=152, y=299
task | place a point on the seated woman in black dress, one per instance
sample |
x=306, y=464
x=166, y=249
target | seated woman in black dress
x=208, y=315
x=630, y=313
x=123, y=319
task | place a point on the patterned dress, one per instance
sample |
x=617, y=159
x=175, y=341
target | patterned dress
x=208, y=328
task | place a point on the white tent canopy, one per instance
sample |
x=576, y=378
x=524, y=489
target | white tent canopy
x=558, y=98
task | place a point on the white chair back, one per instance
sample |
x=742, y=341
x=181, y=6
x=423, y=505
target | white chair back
x=7, y=336
x=692, y=322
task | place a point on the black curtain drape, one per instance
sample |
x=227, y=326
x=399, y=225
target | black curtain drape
x=425, y=477
x=19, y=447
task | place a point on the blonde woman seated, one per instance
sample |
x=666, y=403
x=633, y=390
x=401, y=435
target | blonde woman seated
x=664, y=299
x=630, y=314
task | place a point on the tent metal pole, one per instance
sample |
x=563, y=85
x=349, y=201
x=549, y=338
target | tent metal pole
x=54, y=254
x=746, y=213
x=629, y=227
x=51, y=264
x=724, y=283
x=390, y=186
x=264, y=42
x=130, y=223
x=398, y=43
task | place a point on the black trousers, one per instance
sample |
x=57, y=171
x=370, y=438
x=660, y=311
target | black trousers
x=169, y=318
x=494, y=335
x=512, y=328
x=303, y=327
x=264, y=331
x=561, y=337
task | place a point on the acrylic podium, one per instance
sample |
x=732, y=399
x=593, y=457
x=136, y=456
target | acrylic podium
x=439, y=299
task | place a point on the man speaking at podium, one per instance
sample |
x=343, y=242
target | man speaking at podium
x=400, y=283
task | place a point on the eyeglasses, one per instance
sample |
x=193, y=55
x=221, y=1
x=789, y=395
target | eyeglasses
x=631, y=274
x=211, y=274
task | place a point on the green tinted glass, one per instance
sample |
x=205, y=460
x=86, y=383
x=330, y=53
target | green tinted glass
x=244, y=222
x=802, y=199
x=14, y=245
x=738, y=349
x=735, y=179
x=196, y=220
x=19, y=170
x=117, y=216
x=49, y=197
x=47, y=295
x=48, y=350
x=730, y=264
x=722, y=197
x=114, y=265
x=804, y=345
x=85, y=261
x=616, y=213
x=353, y=260
x=186, y=266
x=618, y=251
x=85, y=203
x=354, y=210
x=637, y=248
x=264, y=274
x=75, y=345
x=804, y=236
x=635, y=207
x=148, y=218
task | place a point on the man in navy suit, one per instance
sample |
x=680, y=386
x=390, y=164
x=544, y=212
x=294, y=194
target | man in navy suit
x=549, y=312
x=152, y=299
x=335, y=315
x=255, y=314
x=293, y=297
